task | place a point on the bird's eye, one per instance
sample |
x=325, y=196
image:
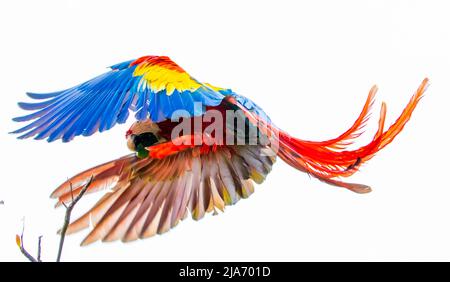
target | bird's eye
x=145, y=139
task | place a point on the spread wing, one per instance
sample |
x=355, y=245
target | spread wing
x=152, y=86
x=151, y=196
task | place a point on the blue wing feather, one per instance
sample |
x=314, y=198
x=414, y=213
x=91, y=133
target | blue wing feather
x=176, y=100
x=111, y=111
x=38, y=96
x=98, y=104
x=142, y=105
x=248, y=104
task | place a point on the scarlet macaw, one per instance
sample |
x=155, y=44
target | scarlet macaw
x=168, y=175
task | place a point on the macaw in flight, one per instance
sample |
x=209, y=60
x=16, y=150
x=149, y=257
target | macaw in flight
x=194, y=171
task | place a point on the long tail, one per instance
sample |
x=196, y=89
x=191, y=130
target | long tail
x=329, y=160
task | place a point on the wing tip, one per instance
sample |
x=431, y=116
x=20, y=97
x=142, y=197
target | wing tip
x=25, y=106
x=86, y=241
x=18, y=119
x=40, y=96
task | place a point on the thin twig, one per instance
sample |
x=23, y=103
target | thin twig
x=69, y=209
x=71, y=190
x=63, y=231
x=22, y=248
x=39, y=249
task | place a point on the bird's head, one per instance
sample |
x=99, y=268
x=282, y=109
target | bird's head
x=143, y=134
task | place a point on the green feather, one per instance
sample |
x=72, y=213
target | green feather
x=141, y=152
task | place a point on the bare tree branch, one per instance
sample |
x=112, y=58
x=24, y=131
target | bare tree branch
x=69, y=209
x=24, y=251
x=39, y=249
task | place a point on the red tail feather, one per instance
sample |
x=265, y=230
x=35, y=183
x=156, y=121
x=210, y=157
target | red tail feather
x=331, y=159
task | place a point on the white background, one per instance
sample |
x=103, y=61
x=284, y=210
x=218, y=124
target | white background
x=309, y=64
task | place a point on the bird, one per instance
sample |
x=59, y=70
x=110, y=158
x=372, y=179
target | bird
x=195, y=147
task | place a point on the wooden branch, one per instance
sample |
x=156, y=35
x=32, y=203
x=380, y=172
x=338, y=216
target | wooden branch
x=69, y=209
x=19, y=241
x=39, y=249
